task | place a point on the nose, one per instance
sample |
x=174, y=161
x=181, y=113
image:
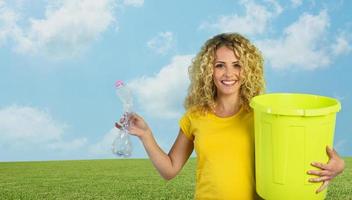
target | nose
x=230, y=71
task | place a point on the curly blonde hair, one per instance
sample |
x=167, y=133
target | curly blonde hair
x=202, y=90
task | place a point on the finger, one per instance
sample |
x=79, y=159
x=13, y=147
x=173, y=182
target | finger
x=322, y=187
x=133, y=119
x=133, y=116
x=133, y=131
x=320, y=165
x=137, y=116
x=330, y=152
x=319, y=179
x=319, y=172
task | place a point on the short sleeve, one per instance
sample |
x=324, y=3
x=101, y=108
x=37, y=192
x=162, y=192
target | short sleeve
x=185, y=126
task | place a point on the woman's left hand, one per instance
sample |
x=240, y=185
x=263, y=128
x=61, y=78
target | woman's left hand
x=328, y=171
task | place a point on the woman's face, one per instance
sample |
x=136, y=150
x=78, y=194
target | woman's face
x=226, y=72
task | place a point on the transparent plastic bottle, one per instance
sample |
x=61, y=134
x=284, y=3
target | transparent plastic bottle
x=122, y=145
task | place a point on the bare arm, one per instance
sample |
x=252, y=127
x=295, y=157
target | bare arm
x=168, y=165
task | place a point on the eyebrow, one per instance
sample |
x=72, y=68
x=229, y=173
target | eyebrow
x=236, y=62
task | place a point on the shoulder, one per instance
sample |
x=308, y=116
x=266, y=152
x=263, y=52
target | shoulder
x=194, y=113
x=247, y=115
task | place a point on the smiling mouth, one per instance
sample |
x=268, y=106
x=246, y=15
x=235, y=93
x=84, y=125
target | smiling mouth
x=229, y=83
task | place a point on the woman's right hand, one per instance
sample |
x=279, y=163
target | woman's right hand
x=137, y=126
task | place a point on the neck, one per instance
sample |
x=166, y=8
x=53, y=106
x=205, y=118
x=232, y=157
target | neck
x=227, y=105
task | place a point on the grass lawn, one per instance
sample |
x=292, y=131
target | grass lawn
x=114, y=179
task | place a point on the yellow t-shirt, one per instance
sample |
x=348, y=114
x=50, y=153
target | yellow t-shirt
x=225, y=154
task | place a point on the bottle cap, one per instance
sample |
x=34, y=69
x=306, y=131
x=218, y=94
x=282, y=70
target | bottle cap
x=119, y=83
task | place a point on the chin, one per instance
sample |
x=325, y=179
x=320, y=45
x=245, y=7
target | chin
x=229, y=92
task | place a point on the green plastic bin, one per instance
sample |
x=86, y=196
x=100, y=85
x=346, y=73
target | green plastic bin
x=291, y=131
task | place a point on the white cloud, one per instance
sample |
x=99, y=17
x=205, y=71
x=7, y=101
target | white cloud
x=303, y=44
x=8, y=20
x=67, y=28
x=104, y=147
x=275, y=6
x=341, y=46
x=29, y=124
x=296, y=3
x=161, y=43
x=339, y=97
x=342, y=145
x=162, y=95
x=135, y=3
x=255, y=20
x=24, y=126
x=66, y=146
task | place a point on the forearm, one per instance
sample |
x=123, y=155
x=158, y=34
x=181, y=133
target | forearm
x=159, y=158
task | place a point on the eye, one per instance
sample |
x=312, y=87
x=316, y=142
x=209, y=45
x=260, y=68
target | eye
x=237, y=65
x=219, y=65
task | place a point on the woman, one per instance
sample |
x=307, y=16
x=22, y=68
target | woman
x=218, y=123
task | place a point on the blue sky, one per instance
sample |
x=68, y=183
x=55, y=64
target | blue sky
x=59, y=60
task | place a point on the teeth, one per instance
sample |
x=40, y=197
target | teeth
x=228, y=82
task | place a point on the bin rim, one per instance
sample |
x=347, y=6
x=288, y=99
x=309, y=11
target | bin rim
x=257, y=106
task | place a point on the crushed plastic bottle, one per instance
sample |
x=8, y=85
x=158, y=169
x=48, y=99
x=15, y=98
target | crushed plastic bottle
x=122, y=145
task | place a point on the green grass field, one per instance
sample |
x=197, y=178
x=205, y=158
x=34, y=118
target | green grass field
x=114, y=179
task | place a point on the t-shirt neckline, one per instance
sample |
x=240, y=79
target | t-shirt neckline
x=229, y=117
